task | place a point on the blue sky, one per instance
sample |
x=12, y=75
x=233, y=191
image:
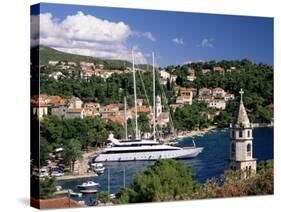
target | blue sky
x=175, y=37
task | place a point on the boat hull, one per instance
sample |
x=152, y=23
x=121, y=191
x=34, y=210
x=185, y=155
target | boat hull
x=183, y=153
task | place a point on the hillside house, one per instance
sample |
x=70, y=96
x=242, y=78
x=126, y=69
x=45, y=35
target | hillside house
x=92, y=105
x=39, y=109
x=229, y=96
x=85, y=66
x=110, y=109
x=205, y=99
x=164, y=74
x=86, y=74
x=205, y=92
x=163, y=119
x=187, y=91
x=218, y=93
x=56, y=75
x=118, y=119
x=71, y=63
x=219, y=70
x=205, y=71
x=91, y=109
x=191, y=74
x=53, y=62
x=217, y=104
x=72, y=113
x=185, y=99
x=75, y=103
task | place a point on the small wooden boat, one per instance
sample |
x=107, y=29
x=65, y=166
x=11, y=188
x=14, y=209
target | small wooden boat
x=89, y=191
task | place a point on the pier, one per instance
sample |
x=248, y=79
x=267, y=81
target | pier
x=72, y=177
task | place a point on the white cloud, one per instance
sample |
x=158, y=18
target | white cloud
x=86, y=35
x=207, y=43
x=147, y=35
x=178, y=41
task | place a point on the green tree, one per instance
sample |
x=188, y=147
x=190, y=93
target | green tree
x=103, y=197
x=72, y=152
x=165, y=180
x=46, y=187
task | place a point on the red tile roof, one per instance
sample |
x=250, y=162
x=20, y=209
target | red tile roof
x=75, y=110
x=141, y=109
x=57, y=100
x=63, y=202
x=118, y=119
x=39, y=104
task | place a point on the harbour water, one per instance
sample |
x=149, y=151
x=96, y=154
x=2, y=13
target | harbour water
x=210, y=163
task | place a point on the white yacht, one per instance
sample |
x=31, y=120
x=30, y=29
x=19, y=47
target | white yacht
x=143, y=149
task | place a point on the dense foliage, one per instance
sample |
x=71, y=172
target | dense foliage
x=233, y=185
x=74, y=135
x=46, y=187
x=171, y=180
x=165, y=180
x=255, y=79
x=190, y=117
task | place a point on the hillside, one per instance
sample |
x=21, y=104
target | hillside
x=47, y=54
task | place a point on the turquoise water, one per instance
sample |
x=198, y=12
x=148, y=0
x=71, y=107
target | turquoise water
x=210, y=163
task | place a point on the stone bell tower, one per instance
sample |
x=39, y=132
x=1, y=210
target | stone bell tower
x=158, y=106
x=241, y=143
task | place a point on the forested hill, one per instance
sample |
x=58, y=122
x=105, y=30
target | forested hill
x=48, y=54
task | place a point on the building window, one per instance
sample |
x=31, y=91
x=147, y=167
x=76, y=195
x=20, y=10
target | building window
x=249, y=133
x=240, y=134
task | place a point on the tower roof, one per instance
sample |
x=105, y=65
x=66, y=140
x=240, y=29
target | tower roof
x=241, y=118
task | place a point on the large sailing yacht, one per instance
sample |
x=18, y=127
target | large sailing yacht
x=143, y=149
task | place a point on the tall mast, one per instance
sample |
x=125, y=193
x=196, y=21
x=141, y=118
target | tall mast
x=135, y=97
x=125, y=114
x=124, y=178
x=153, y=118
x=108, y=181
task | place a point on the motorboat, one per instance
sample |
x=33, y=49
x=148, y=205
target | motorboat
x=75, y=194
x=98, y=168
x=87, y=185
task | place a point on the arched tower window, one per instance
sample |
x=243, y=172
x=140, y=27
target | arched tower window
x=240, y=134
x=249, y=133
x=233, y=149
x=249, y=149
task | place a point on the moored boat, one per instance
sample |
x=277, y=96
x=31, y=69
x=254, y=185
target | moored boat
x=89, y=191
x=75, y=194
x=87, y=185
x=98, y=168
